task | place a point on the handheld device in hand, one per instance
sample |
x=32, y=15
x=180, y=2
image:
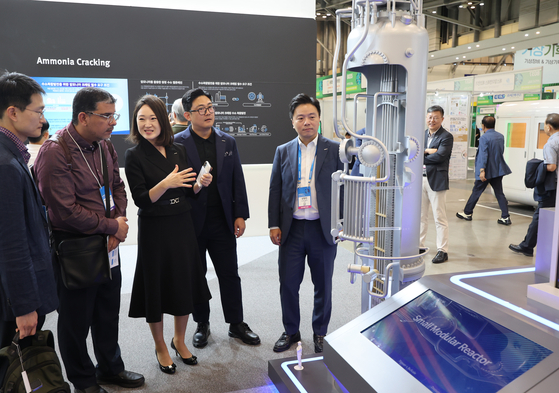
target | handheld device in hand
x=206, y=168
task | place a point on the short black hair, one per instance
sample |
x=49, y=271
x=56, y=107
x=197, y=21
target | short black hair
x=44, y=128
x=86, y=100
x=553, y=120
x=16, y=90
x=488, y=122
x=301, y=99
x=158, y=107
x=436, y=108
x=189, y=97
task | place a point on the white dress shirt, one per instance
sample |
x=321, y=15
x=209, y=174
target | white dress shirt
x=308, y=155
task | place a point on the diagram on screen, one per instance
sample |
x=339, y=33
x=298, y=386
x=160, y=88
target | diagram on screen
x=220, y=100
x=259, y=101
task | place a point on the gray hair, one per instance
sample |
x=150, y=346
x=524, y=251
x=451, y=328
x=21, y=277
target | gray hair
x=178, y=110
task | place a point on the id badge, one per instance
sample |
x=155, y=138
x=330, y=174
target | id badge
x=111, y=200
x=304, y=197
x=113, y=257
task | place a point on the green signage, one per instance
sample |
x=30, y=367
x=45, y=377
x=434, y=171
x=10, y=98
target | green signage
x=531, y=97
x=324, y=85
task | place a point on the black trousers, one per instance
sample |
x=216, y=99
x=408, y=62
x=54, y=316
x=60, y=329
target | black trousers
x=531, y=238
x=80, y=310
x=479, y=187
x=217, y=239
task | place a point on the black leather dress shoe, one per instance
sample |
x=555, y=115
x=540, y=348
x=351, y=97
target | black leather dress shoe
x=91, y=389
x=285, y=341
x=242, y=331
x=125, y=379
x=521, y=250
x=191, y=361
x=440, y=257
x=200, y=339
x=318, y=343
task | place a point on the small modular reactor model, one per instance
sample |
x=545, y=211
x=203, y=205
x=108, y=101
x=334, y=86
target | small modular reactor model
x=381, y=206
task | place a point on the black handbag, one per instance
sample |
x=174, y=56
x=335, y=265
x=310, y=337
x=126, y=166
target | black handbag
x=84, y=259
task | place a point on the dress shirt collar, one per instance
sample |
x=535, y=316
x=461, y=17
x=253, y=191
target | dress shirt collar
x=82, y=143
x=198, y=138
x=19, y=144
x=312, y=143
x=433, y=134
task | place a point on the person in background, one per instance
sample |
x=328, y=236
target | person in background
x=551, y=161
x=74, y=196
x=179, y=122
x=438, y=147
x=169, y=276
x=490, y=168
x=27, y=284
x=35, y=143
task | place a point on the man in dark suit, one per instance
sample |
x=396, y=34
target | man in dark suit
x=27, y=287
x=299, y=211
x=438, y=147
x=219, y=212
x=490, y=169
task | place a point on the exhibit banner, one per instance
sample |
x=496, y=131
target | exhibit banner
x=545, y=56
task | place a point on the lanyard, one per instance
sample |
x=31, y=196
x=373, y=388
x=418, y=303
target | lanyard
x=312, y=166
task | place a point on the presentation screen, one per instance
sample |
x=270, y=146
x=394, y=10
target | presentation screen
x=450, y=348
x=60, y=94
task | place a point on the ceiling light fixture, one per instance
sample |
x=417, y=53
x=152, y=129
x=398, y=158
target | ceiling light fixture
x=537, y=32
x=526, y=35
x=434, y=12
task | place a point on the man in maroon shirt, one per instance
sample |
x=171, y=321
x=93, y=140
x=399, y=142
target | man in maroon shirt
x=70, y=177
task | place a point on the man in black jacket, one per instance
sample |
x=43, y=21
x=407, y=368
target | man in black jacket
x=551, y=160
x=438, y=147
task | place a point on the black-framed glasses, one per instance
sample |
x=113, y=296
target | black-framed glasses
x=41, y=113
x=203, y=111
x=111, y=117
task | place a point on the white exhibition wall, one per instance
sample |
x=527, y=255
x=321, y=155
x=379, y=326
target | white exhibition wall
x=290, y=8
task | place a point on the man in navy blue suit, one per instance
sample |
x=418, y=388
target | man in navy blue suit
x=27, y=287
x=490, y=169
x=299, y=211
x=219, y=212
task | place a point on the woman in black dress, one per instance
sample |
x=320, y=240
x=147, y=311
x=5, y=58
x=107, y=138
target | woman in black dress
x=169, y=278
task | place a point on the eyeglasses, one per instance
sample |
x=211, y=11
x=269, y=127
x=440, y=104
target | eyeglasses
x=203, y=111
x=111, y=117
x=41, y=113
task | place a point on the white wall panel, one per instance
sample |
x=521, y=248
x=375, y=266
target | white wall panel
x=290, y=8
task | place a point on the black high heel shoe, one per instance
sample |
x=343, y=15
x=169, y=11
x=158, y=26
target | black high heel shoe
x=166, y=369
x=191, y=361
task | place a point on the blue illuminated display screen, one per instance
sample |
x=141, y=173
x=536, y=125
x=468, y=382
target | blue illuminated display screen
x=60, y=94
x=450, y=348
